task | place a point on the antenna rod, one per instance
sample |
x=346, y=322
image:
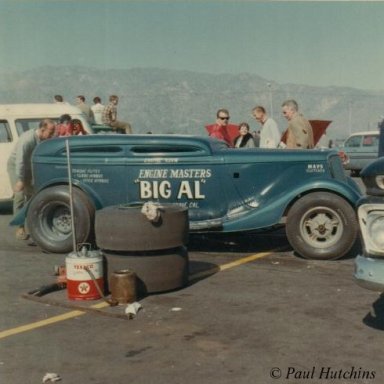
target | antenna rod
x=71, y=195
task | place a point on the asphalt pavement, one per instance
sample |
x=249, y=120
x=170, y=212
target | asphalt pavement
x=253, y=312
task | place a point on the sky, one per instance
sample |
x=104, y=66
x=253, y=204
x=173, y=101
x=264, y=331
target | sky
x=321, y=43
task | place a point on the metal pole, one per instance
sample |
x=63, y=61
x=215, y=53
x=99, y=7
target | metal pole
x=270, y=99
x=350, y=117
x=71, y=195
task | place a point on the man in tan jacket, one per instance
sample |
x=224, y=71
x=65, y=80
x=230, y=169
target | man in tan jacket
x=299, y=131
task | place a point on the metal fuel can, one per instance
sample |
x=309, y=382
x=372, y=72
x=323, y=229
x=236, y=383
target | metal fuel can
x=80, y=284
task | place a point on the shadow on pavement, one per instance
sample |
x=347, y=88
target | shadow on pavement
x=5, y=209
x=375, y=318
x=244, y=242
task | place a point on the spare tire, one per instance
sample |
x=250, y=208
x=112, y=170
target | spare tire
x=125, y=228
x=156, y=271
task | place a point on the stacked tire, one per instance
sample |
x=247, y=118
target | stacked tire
x=153, y=249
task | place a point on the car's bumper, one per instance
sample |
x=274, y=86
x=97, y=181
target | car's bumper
x=369, y=273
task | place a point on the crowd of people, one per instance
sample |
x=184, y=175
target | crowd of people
x=99, y=113
x=299, y=133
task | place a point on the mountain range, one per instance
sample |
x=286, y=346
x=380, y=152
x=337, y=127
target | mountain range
x=174, y=101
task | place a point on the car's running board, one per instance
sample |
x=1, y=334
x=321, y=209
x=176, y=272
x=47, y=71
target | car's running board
x=206, y=224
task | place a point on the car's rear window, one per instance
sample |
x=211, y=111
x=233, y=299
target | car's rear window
x=157, y=150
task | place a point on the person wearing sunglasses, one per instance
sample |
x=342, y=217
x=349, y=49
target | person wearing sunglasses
x=219, y=129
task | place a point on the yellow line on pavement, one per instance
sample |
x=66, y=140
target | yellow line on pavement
x=244, y=260
x=232, y=264
x=50, y=320
x=76, y=313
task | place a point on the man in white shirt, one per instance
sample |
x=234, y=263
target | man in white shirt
x=97, y=110
x=269, y=134
x=85, y=108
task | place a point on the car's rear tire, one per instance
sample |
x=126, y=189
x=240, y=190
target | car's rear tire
x=125, y=228
x=49, y=219
x=321, y=226
x=156, y=271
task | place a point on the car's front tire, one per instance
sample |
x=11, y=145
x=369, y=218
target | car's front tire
x=321, y=226
x=49, y=218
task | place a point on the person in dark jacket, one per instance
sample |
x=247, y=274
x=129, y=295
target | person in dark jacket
x=245, y=138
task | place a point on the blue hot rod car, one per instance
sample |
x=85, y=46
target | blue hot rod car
x=225, y=190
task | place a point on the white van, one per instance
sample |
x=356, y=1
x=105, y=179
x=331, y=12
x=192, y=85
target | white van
x=18, y=118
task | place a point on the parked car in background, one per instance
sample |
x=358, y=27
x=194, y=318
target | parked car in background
x=369, y=266
x=18, y=118
x=360, y=149
x=225, y=190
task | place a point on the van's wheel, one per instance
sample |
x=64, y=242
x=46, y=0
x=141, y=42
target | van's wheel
x=125, y=228
x=321, y=226
x=49, y=218
x=156, y=271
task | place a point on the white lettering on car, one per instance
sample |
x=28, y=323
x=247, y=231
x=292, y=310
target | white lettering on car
x=155, y=189
x=185, y=189
x=90, y=175
x=315, y=168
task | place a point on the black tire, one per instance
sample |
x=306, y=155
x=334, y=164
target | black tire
x=122, y=228
x=49, y=219
x=321, y=226
x=158, y=271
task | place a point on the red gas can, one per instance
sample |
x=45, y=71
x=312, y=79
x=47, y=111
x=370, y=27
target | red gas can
x=80, y=285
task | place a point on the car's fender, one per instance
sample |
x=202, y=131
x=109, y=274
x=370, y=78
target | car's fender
x=267, y=215
x=20, y=217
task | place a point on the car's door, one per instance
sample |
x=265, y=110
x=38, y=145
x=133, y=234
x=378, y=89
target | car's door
x=98, y=167
x=185, y=174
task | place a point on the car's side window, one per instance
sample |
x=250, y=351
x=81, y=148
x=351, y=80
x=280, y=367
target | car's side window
x=165, y=150
x=95, y=151
x=370, y=141
x=353, y=142
x=5, y=132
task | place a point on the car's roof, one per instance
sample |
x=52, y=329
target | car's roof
x=173, y=139
x=38, y=109
x=156, y=141
x=365, y=133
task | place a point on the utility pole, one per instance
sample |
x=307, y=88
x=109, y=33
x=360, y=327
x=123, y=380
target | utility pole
x=269, y=85
x=350, y=118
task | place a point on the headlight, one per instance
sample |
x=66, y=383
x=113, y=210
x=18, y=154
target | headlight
x=380, y=181
x=371, y=218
